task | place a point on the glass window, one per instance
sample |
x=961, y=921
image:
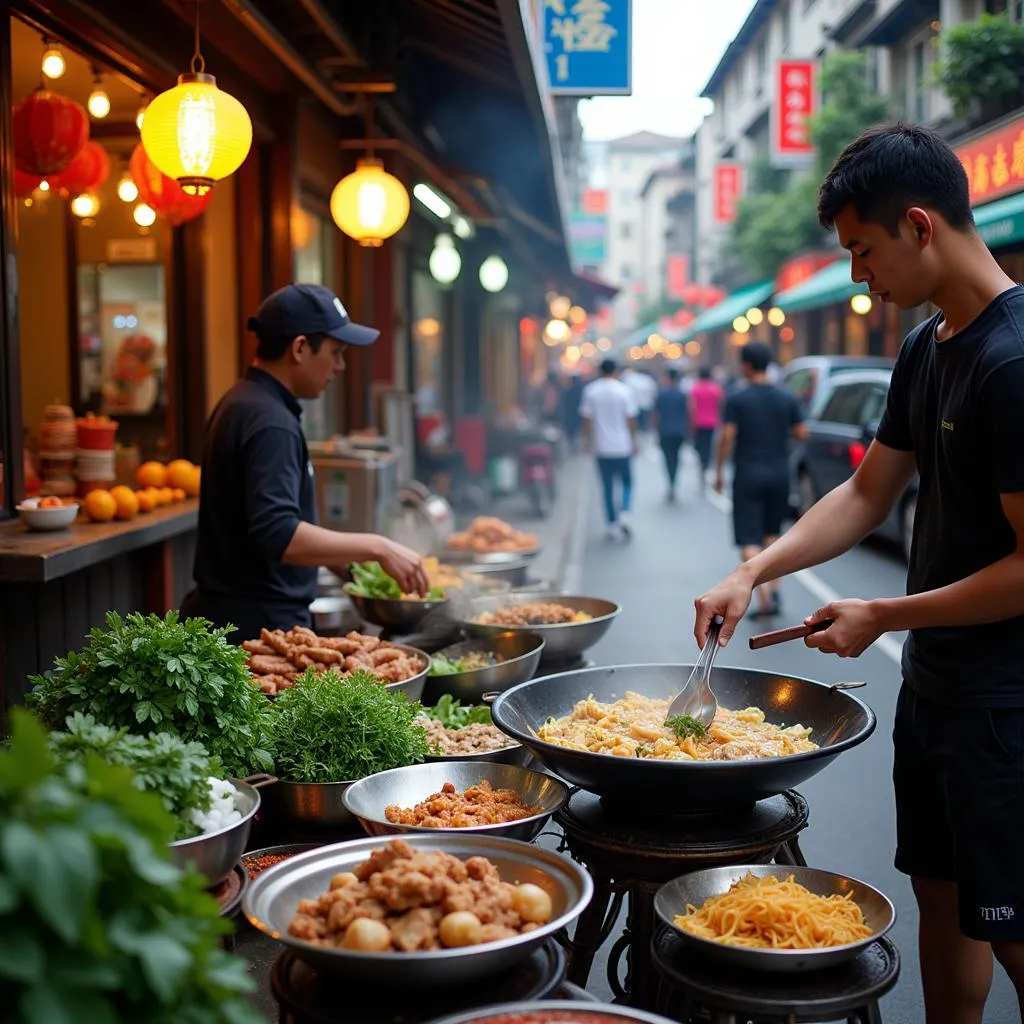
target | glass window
x=625, y=229
x=786, y=30
x=874, y=405
x=845, y=404
x=801, y=383
x=428, y=331
x=626, y=273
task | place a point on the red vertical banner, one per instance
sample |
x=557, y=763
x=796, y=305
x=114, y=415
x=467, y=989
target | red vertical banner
x=677, y=273
x=728, y=187
x=795, y=100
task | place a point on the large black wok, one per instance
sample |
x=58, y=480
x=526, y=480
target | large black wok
x=839, y=721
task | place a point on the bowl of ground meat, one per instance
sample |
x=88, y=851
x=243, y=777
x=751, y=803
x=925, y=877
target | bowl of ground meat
x=477, y=742
x=568, y=624
x=480, y=797
x=436, y=909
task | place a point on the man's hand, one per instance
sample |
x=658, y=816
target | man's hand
x=729, y=599
x=856, y=626
x=405, y=566
x=720, y=482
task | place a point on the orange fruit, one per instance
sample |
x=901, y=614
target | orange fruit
x=166, y=496
x=179, y=474
x=146, y=501
x=127, y=503
x=191, y=485
x=178, y=494
x=151, y=474
x=100, y=506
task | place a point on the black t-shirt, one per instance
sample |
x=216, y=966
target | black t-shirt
x=958, y=405
x=764, y=416
x=257, y=488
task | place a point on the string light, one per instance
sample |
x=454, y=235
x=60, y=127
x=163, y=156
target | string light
x=54, y=64
x=144, y=215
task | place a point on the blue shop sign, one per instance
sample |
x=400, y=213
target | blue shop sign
x=587, y=44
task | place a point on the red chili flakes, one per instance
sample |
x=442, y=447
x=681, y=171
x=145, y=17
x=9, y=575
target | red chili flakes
x=256, y=865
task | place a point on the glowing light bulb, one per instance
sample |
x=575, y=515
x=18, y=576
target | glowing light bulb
x=127, y=190
x=144, y=216
x=140, y=117
x=54, y=64
x=98, y=103
x=84, y=206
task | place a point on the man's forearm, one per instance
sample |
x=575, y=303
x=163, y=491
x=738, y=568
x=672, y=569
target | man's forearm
x=841, y=519
x=314, y=546
x=992, y=594
x=722, y=453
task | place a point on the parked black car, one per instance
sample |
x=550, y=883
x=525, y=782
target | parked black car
x=841, y=426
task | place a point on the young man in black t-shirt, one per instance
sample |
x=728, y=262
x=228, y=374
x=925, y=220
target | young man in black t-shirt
x=898, y=199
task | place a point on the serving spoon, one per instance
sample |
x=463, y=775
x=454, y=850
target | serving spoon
x=696, y=700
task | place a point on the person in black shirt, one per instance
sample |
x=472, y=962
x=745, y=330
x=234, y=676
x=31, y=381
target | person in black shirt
x=898, y=198
x=258, y=546
x=759, y=421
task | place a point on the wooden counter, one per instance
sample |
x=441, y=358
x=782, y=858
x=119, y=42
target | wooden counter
x=56, y=586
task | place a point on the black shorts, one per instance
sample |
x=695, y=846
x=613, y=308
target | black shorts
x=959, y=780
x=758, y=507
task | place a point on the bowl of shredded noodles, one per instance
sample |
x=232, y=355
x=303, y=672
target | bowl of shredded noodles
x=775, y=917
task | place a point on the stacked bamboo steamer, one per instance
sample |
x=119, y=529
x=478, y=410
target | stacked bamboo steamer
x=95, y=463
x=58, y=436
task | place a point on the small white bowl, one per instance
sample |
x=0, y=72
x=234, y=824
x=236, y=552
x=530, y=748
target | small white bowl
x=36, y=518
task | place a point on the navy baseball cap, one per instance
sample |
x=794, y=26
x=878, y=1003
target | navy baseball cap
x=308, y=309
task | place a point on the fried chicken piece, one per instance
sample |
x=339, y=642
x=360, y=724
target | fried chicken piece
x=257, y=647
x=300, y=661
x=382, y=859
x=276, y=640
x=344, y=644
x=382, y=656
x=416, y=929
x=367, y=643
x=321, y=655
x=269, y=664
x=302, y=635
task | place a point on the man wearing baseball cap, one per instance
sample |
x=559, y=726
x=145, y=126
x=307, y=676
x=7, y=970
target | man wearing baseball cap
x=259, y=547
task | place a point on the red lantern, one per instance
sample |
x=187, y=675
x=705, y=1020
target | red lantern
x=682, y=318
x=25, y=184
x=164, y=194
x=49, y=132
x=86, y=172
x=692, y=294
x=713, y=295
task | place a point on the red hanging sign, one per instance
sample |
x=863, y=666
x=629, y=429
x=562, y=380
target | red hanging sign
x=994, y=163
x=677, y=272
x=796, y=99
x=728, y=187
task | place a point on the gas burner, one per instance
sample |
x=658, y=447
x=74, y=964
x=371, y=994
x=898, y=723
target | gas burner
x=304, y=997
x=229, y=892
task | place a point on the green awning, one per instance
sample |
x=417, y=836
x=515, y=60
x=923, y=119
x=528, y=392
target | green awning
x=1002, y=222
x=829, y=285
x=732, y=306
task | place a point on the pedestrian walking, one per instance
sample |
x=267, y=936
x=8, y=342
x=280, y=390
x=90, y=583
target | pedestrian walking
x=898, y=198
x=706, y=397
x=759, y=422
x=645, y=394
x=609, y=414
x=671, y=419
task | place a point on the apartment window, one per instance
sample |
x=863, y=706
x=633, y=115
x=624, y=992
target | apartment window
x=786, y=30
x=872, y=68
x=625, y=230
x=919, y=82
x=626, y=198
x=626, y=273
x=762, y=59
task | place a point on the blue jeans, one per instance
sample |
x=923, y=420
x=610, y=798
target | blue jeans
x=609, y=470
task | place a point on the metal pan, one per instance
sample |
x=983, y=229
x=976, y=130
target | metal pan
x=521, y=653
x=562, y=640
x=699, y=886
x=395, y=615
x=464, y=556
x=838, y=720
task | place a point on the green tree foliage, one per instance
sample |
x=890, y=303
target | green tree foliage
x=777, y=218
x=983, y=68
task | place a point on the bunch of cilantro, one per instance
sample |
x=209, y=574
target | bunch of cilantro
x=150, y=674
x=332, y=729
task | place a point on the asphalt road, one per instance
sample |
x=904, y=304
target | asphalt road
x=680, y=550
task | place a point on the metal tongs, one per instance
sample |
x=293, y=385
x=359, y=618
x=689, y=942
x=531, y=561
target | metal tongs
x=695, y=700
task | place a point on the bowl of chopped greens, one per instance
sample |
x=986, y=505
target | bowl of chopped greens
x=486, y=664
x=467, y=733
x=379, y=599
x=329, y=731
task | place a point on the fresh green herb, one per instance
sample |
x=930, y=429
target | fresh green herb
x=684, y=726
x=329, y=729
x=149, y=674
x=370, y=580
x=452, y=715
x=178, y=772
x=643, y=750
x=97, y=924
x=442, y=665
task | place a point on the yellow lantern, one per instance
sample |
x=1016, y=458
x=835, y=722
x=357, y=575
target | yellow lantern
x=369, y=204
x=196, y=133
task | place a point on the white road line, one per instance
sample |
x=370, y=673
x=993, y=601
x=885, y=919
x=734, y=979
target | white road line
x=812, y=582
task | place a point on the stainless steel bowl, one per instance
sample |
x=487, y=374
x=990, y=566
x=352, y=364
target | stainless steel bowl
x=699, y=886
x=466, y=556
x=564, y=640
x=393, y=614
x=215, y=854
x=567, y=1009
x=521, y=652
x=515, y=571
x=405, y=787
x=514, y=753
x=413, y=686
x=311, y=804
x=273, y=896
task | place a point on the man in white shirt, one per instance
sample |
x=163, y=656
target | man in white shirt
x=609, y=412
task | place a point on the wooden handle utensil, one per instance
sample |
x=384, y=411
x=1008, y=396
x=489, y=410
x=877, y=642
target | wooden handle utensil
x=781, y=636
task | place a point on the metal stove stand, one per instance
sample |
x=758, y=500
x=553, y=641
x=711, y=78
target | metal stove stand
x=630, y=854
x=695, y=988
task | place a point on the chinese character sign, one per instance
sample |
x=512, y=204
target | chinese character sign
x=587, y=44
x=677, y=273
x=994, y=163
x=795, y=100
x=728, y=187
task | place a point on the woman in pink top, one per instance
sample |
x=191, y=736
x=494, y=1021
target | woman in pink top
x=705, y=413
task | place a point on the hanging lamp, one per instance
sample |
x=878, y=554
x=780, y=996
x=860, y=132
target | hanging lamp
x=196, y=133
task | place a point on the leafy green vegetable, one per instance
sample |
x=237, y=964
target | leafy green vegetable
x=330, y=729
x=370, y=580
x=149, y=674
x=176, y=771
x=97, y=926
x=452, y=715
x=684, y=726
x=442, y=665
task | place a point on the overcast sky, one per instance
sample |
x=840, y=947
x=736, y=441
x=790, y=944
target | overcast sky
x=672, y=61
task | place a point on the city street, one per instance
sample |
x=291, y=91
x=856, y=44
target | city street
x=680, y=550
